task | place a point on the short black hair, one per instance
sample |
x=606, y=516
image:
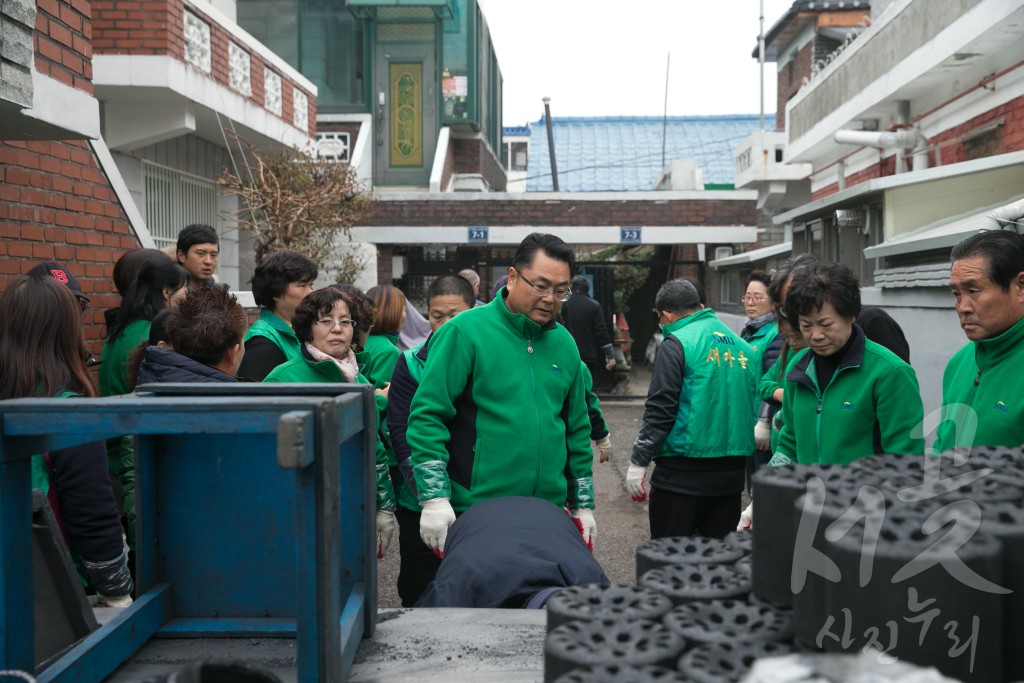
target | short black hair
x=699, y=286
x=815, y=285
x=278, y=270
x=320, y=303
x=580, y=285
x=677, y=296
x=552, y=245
x=206, y=323
x=451, y=285
x=784, y=272
x=197, y=233
x=1003, y=251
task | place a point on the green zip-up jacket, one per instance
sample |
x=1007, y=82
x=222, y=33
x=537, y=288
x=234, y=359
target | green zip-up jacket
x=377, y=359
x=114, y=369
x=501, y=411
x=306, y=370
x=709, y=407
x=377, y=364
x=271, y=326
x=983, y=395
x=775, y=378
x=872, y=405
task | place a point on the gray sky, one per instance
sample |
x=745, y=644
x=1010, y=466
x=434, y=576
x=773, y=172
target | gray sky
x=604, y=58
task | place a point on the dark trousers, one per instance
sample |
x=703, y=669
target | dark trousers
x=418, y=564
x=678, y=514
x=754, y=463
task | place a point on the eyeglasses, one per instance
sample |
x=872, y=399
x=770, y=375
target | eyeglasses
x=329, y=323
x=543, y=290
x=753, y=298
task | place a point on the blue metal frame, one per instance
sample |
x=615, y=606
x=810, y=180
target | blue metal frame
x=255, y=513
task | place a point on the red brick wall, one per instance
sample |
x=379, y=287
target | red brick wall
x=62, y=42
x=560, y=212
x=156, y=27
x=139, y=27
x=1008, y=138
x=474, y=156
x=56, y=204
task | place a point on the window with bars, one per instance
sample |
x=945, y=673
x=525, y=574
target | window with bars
x=175, y=199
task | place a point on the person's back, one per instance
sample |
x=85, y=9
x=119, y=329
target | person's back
x=503, y=551
x=205, y=333
x=584, y=318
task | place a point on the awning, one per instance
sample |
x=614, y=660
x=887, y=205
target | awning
x=753, y=256
x=944, y=234
x=576, y=234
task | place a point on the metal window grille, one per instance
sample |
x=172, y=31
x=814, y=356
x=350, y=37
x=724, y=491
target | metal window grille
x=174, y=199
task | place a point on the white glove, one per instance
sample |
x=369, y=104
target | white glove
x=763, y=436
x=435, y=519
x=386, y=523
x=609, y=364
x=585, y=521
x=746, y=518
x=605, y=446
x=635, y=476
x=119, y=601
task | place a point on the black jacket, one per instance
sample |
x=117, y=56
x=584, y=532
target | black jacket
x=584, y=319
x=160, y=365
x=502, y=551
x=880, y=328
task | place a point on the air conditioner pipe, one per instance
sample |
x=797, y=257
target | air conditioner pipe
x=892, y=139
x=1011, y=213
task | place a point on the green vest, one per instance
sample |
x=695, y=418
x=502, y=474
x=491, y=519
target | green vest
x=713, y=418
x=377, y=359
x=271, y=326
x=412, y=362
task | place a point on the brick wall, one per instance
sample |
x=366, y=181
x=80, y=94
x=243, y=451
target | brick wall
x=952, y=147
x=156, y=27
x=62, y=42
x=559, y=212
x=475, y=156
x=1003, y=140
x=56, y=204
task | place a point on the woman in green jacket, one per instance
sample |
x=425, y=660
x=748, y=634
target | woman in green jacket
x=845, y=396
x=279, y=285
x=159, y=284
x=326, y=322
x=380, y=346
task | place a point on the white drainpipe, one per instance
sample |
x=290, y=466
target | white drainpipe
x=893, y=139
x=1011, y=213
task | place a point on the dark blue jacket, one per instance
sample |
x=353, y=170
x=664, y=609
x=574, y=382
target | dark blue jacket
x=502, y=551
x=161, y=365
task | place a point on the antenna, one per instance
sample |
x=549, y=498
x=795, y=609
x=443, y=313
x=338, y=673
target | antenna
x=664, y=118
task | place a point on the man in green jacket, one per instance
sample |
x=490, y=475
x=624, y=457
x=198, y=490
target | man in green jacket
x=696, y=420
x=501, y=408
x=982, y=388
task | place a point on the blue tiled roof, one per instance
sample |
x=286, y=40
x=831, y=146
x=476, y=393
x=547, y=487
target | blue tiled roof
x=623, y=153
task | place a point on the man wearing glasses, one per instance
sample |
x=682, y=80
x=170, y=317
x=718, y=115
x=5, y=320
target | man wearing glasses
x=501, y=408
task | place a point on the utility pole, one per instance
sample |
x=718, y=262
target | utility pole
x=664, y=117
x=760, y=60
x=551, y=143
